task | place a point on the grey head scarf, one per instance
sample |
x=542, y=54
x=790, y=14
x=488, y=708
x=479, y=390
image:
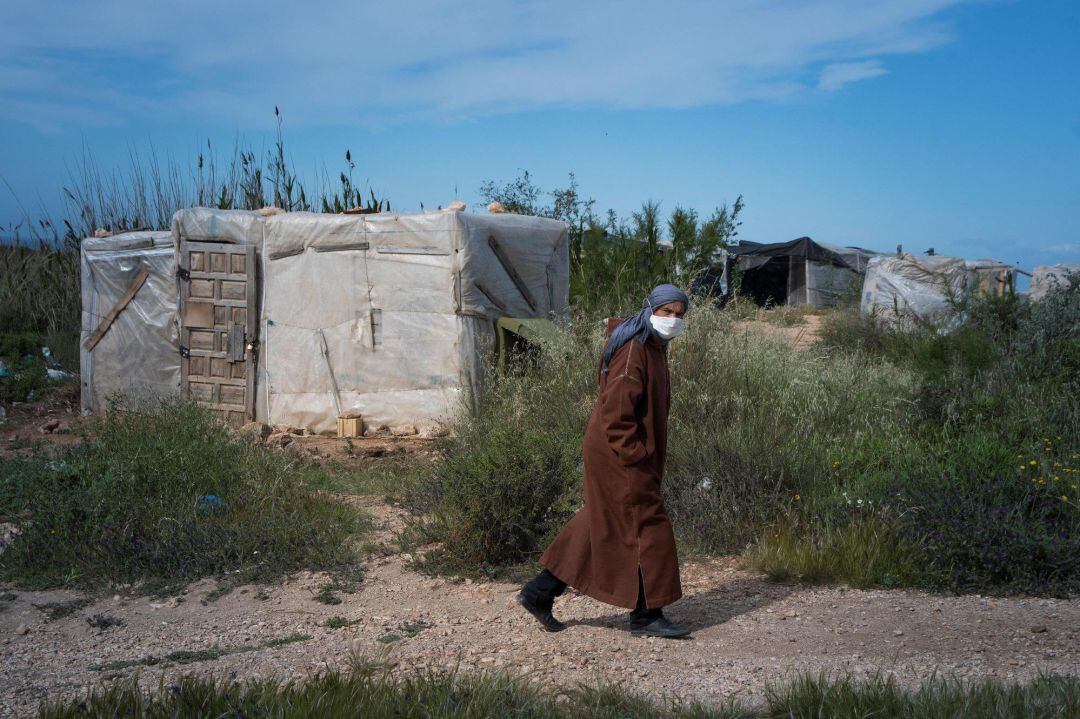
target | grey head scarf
x=638, y=327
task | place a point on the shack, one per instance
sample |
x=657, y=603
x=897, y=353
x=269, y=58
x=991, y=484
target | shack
x=300, y=318
x=1048, y=277
x=905, y=290
x=799, y=272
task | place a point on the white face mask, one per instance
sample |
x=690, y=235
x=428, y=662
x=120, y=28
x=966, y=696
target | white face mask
x=667, y=327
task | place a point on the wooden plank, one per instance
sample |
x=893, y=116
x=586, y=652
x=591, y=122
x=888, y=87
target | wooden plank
x=330, y=370
x=236, y=343
x=504, y=260
x=251, y=270
x=491, y=297
x=99, y=332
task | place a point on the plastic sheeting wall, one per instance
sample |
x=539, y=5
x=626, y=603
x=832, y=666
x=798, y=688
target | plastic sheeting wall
x=1046, y=277
x=826, y=284
x=905, y=290
x=139, y=355
x=384, y=314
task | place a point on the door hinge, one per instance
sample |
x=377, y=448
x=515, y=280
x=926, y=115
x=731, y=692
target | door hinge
x=184, y=352
x=184, y=274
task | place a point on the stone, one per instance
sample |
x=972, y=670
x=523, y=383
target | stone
x=62, y=428
x=279, y=440
x=49, y=427
x=404, y=430
x=22, y=630
x=432, y=431
x=1038, y=629
x=376, y=430
x=257, y=430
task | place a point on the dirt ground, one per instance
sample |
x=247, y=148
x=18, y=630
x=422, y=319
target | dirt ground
x=747, y=631
x=798, y=335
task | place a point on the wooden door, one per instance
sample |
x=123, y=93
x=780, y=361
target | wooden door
x=219, y=321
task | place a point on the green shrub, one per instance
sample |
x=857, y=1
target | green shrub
x=510, y=477
x=998, y=529
x=985, y=481
x=166, y=494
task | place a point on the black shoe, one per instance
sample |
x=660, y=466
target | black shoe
x=544, y=616
x=661, y=627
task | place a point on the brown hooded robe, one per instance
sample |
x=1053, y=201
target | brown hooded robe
x=623, y=525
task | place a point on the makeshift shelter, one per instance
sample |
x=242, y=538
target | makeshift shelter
x=798, y=272
x=128, y=332
x=299, y=318
x=905, y=290
x=1046, y=277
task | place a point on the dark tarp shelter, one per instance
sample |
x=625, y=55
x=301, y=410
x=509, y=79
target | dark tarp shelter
x=798, y=272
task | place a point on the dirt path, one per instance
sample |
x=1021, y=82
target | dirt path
x=798, y=335
x=747, y=631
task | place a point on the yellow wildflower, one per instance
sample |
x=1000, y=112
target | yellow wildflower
x=1033, y=463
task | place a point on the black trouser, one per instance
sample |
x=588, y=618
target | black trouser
x=543, y=589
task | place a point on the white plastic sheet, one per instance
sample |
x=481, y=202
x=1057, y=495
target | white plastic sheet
x=139, y=356
x=906, y=290
x=1046, y=277
x=395, y=299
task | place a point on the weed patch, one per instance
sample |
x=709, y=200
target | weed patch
x=340, y=622
x=371, y=690
x=282, y=641
x=192, y=656
x=128, y=505
x=59, y=610
x=103, y=622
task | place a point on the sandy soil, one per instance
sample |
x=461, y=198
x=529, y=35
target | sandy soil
x=746, y=631
x=800, y=335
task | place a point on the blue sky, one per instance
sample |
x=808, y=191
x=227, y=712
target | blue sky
x=932, y=123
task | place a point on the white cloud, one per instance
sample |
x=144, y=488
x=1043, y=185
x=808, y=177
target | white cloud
x=838, y=74
x=346, y=61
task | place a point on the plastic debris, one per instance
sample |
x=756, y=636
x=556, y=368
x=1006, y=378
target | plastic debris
x=210, y=503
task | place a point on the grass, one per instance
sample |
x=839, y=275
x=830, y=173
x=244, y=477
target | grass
x=864, y=553
x=372, y=691
x=392, y=478
x=128, y=505
x=340, y=622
